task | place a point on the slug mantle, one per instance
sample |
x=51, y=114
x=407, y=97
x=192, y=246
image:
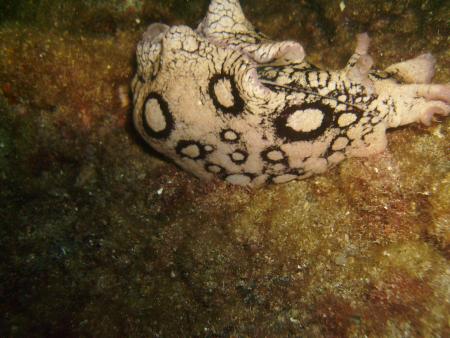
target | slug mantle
x=225, y=101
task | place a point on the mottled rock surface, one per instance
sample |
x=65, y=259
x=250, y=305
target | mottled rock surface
x=100, y=236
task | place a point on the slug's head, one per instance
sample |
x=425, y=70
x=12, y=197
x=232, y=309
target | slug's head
x=149, y=51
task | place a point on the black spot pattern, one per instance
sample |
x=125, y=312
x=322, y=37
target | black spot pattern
x=333, y=145
x=285, y=132
x=184, y=145
x=237, y=108
x=165, y=133
x=214, y=168
x=356, y=112
x=239, y=156
x=226, y=133
x=270, y=151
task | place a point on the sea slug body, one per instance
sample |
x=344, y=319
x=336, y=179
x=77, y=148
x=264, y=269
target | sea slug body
x=223, y=101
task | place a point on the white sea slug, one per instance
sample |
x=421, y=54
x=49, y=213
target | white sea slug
x=225, y=101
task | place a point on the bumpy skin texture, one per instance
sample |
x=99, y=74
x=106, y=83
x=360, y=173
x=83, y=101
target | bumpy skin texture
x=225, y=101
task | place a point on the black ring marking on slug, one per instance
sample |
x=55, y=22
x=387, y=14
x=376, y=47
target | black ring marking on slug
x=214, y=169
x=265, y=155
x=238, y=103
x=242, y=154
x=225, y=136
x=357, y=113
x=168, y=118
x=287, y=133
x=183, y=145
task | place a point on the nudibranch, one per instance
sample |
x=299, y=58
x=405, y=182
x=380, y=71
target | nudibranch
x=224, y=101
